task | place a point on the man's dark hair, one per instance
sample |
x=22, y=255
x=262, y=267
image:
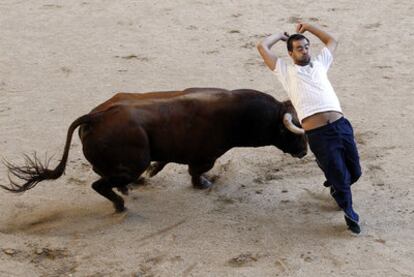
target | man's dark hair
x=294, y=38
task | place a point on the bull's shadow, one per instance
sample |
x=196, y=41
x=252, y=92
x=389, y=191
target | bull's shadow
x=61, y=219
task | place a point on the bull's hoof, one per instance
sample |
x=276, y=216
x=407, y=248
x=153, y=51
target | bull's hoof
x=152, y=170
x=203, y=183
x=119, y=206
x=119, y=210
x=141, y=181
x=123, y=190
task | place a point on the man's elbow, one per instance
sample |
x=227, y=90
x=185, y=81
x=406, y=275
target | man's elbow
x=332, y=44
x=260, y=46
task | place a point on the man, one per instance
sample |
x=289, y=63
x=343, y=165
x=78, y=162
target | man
x=330, y=135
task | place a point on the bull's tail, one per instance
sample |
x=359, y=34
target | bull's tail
x=34, y=171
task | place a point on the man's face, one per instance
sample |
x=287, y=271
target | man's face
x=300, y=52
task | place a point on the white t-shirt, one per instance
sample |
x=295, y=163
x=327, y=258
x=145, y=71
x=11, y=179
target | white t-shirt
x=308, y=86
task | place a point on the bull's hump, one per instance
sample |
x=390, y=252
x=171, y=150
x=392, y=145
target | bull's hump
x=205, y=95
x=199, y=94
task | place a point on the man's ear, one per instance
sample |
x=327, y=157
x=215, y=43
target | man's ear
x=290, y=53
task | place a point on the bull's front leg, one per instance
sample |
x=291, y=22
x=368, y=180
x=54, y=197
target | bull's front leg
x=196, y=170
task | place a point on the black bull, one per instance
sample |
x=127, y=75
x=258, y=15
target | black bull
x=195, y=126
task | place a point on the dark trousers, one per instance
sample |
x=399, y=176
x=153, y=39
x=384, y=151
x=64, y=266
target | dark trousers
x=336, y=153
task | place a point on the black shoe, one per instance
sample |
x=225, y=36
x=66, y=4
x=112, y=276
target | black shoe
x=352, y=225
x=326, y=184
x=332, y=191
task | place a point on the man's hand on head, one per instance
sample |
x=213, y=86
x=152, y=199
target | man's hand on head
x=285, y=36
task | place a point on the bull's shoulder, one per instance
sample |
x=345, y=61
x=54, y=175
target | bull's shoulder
x=204, y=90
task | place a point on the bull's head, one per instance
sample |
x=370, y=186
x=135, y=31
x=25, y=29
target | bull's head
x=291, y=138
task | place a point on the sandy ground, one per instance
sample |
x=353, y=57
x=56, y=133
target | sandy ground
x=268, y=214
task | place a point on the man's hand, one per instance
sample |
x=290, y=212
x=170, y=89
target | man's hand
x=326, y=38
x=301, y=27
x=284, y=37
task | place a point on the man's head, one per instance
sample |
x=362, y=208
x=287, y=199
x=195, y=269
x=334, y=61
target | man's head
x=298, y=49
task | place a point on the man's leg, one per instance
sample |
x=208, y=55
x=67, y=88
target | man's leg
x=330, y=155
x=338, y=175
x=340, y=179
x=351, y=152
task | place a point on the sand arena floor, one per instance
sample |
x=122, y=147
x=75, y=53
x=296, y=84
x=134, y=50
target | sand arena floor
x=268, y=214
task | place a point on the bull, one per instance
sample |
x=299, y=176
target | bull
x=122, y=136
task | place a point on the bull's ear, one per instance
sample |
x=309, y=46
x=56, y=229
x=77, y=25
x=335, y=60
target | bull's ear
x=287, y=121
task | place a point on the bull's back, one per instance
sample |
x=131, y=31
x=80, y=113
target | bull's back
x=184, y=126
x=141, y=99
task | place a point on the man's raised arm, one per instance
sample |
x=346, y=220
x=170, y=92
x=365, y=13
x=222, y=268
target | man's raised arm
x=326, y=38
x=264, y=48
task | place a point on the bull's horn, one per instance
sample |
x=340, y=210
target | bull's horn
x=287, y=121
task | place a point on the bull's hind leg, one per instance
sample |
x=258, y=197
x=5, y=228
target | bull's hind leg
x=196, y=170
x=120, y=181
x=120, y=154
x=104, y=187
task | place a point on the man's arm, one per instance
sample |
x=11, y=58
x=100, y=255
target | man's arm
x=326, y=38
x=264, y=47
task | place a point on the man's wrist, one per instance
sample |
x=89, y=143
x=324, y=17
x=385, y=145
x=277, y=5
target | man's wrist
x=307, y=27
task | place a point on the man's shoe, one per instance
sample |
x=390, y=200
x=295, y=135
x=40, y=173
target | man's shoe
x=352, y=225
x=326, y=184
x=332, y=191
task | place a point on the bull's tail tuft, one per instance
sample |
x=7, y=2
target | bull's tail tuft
x=34, y=171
